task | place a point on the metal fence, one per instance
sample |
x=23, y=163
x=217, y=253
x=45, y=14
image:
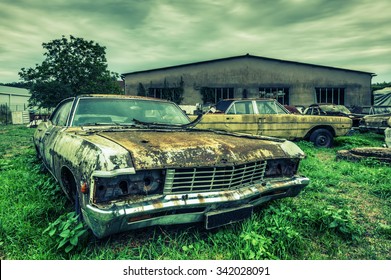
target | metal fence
x=5, y=114
x=6, y=111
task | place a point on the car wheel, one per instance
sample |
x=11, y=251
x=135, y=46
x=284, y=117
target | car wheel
x=322, y=138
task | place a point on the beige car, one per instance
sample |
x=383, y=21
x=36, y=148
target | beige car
x=267, y=117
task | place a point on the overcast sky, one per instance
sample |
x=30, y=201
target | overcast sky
x=146, y=34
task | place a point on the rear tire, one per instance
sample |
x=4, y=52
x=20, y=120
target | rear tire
x=322, y=138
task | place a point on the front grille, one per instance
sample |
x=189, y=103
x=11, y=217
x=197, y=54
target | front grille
x=205, y=179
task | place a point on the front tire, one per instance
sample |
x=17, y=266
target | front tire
x=322, y=138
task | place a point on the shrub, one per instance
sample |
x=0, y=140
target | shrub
x=67, y=231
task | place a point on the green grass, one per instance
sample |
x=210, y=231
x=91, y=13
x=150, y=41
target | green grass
x=344, y=213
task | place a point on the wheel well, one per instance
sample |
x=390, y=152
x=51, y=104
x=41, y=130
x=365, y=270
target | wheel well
x=329, y=128
x=68, y=182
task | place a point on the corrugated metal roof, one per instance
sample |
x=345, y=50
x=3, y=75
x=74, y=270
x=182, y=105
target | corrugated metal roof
x=14, y=91
x=246, y=56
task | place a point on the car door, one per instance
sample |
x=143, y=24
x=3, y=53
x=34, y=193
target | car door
x=240, y=117
x=274, y=121
x=52, y=130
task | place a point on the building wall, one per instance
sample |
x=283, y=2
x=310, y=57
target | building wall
x=251, y=73
x=15, y=98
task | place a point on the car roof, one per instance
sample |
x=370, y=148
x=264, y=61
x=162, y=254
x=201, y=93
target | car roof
x=120, y=96
x=247, y=99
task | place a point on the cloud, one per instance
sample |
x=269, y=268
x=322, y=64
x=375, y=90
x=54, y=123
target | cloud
x=140, y=35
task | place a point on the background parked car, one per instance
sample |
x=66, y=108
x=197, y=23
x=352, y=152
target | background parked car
x=374, y=123
x=293, y=109
x=371, y=110
x=323, y=109
x=270, y=118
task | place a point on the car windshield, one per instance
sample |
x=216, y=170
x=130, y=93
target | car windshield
x=102, y=111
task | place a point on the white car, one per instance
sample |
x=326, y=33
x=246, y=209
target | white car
x=132, y=162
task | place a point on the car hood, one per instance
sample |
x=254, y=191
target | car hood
x=165, y=149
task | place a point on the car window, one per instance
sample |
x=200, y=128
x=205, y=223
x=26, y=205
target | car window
x=241, y=107
x=61, y=114
x=223, y=105
x=269, y=107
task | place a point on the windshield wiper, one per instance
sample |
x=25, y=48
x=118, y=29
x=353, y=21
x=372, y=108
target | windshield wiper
x=96, y=123
x=168, y=125
x=156, y=124
x=130, y=124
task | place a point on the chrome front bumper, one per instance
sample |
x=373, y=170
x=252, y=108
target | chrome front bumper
x=214, y=208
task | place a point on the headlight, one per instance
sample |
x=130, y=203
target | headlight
x=281, y=168
x=141, y=183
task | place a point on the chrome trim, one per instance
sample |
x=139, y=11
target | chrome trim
x=112, y=173
x=163, y=209
x=207, y=179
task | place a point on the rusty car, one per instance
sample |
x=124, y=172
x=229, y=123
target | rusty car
x=268, y=117
x=331, y=109
x=374, y=123
x=130, y=162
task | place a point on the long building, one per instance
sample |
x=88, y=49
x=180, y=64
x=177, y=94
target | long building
x=249, y=76
x=15, y=98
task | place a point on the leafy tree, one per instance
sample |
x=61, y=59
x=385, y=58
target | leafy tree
x=71, y=67
x=378, y=86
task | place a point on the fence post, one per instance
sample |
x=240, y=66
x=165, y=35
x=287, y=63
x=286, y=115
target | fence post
x=6, y=113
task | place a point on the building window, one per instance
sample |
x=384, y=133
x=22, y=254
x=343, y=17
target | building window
x=173, y=93
x=280, y=94
x=155, y=92
x=330, y=95
x=213, y=95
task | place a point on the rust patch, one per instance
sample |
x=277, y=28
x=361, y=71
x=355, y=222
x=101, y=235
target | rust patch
x=165, y=149
x=201, y=199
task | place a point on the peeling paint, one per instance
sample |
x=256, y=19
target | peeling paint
x=282, y=124
x=137, y=177
x=165, y=149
